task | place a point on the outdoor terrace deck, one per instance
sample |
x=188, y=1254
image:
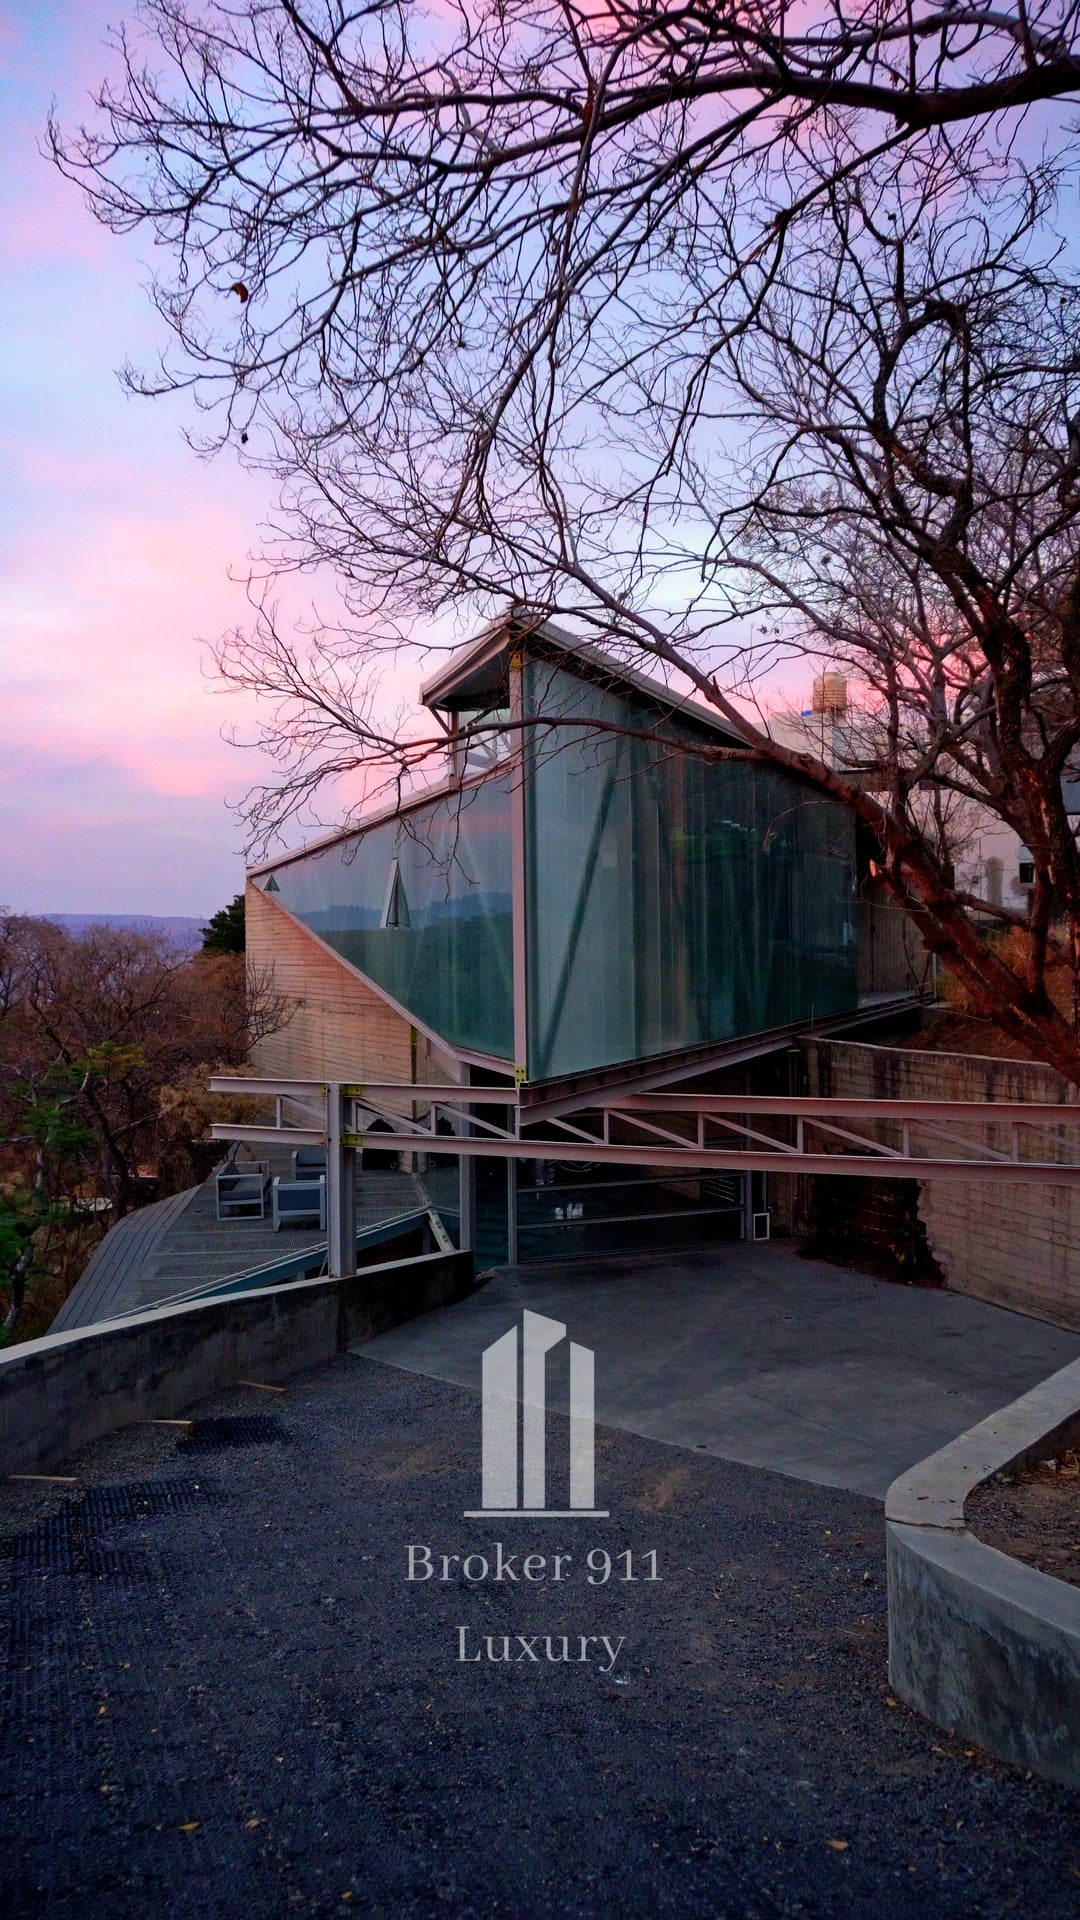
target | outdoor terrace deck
x=179, y=1243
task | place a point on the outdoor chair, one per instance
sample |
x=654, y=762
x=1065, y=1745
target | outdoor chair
x=242, y=1190
x=300, y=1203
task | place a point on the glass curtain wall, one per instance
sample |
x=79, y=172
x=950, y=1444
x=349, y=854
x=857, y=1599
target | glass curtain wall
x=422, y=905
x=672, y=901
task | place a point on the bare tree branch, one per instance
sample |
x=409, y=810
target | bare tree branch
x=729, y=344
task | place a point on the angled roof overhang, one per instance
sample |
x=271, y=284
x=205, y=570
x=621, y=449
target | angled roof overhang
x=476, y=674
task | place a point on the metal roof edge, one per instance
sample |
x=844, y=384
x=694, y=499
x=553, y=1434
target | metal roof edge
x=471, y=654
x=500, y=633
x=378, y=818
x=496, y=634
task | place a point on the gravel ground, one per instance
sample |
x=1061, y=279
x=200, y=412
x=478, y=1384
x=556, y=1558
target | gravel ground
x=222, y=1696
x=1033, y=1515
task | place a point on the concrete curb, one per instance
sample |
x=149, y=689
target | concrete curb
x=978, y=1641
x=66, y=1389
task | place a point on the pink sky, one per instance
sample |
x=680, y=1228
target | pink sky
x=116, y=544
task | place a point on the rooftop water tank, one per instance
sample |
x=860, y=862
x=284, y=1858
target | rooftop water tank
x=830, y=693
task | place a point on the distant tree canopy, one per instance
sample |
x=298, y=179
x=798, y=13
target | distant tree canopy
x=107, y=1040
x=224, y=933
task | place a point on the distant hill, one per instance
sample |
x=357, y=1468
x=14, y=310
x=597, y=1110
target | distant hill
x=181, y=932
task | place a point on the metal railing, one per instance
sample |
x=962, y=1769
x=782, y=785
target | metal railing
x=307, y=1263
x=954, y=1140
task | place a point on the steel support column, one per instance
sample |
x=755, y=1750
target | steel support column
x=340, y=1188
x=517, y=871
x=466, y=1185
x=512, y=1212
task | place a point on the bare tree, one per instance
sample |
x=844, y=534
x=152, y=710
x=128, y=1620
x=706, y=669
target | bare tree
x=721, y=340
x=915, y=385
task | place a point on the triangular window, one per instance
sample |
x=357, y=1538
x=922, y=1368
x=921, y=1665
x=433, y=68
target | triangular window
x=395, y=911
x=272, y=886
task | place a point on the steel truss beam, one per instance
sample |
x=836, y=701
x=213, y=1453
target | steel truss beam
x=1029, y=1143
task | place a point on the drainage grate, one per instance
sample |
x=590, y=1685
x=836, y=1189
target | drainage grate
x=240, y=1430
x=61, y=1549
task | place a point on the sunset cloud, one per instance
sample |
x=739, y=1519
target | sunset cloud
x=83, y=835
x=116, y=543
x=122, y=554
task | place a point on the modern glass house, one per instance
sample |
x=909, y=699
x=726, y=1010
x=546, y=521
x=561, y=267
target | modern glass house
x=595, y=895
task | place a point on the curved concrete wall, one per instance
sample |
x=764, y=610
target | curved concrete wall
x=983, y=1644
x=64, y=1390
x=980, y=1642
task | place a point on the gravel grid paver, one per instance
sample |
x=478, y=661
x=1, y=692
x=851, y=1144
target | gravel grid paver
x=222, y=1697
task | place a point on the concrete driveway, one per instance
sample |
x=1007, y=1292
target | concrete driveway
x=756, y=1355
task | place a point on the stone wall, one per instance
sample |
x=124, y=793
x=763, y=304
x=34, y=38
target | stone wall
x=1017, y=1246
x=874, y=1226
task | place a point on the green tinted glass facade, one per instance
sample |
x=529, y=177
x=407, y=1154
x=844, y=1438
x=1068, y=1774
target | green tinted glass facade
x=672, y=901
x=422, y=905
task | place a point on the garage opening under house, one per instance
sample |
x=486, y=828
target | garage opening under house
x=590, y=899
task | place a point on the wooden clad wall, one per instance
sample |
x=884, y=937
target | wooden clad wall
x=340, y=1029
x=1017, y=1246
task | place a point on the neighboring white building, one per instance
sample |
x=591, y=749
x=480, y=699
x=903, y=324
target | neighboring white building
x=990, y=859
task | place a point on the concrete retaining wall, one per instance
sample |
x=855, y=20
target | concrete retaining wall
x=978, y=1641
x=983, y=1644
x=60, y=1392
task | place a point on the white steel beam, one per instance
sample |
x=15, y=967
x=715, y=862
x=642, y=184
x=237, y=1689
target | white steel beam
x=752, y=1150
